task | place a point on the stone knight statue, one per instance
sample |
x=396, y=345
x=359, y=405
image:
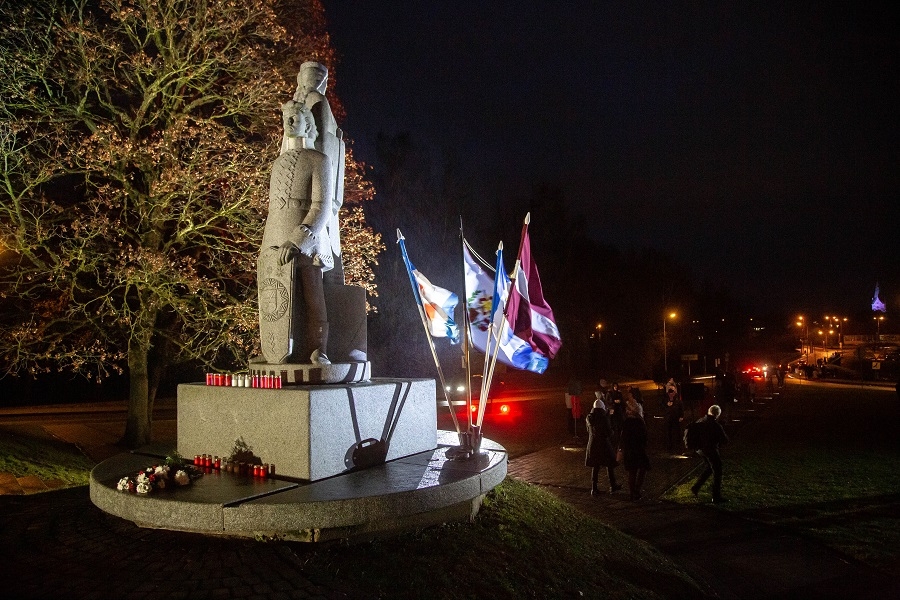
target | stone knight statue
x=306, y=312
x=296, y=247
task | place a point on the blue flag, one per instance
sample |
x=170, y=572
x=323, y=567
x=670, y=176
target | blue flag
x=437, y=303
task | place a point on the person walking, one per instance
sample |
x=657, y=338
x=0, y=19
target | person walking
x=636, y=392
x=616, y=409
x=633, y=444
x=599, y=451
x=712, y=436
x=602, y=392
x=674, y=418
x=671, y=385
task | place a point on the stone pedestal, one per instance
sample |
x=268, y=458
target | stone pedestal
x=311, y=432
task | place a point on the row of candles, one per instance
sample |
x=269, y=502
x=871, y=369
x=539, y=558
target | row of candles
x=233, y=466
x=272, y=382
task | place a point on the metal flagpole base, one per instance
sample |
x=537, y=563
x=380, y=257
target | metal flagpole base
x=469, y=445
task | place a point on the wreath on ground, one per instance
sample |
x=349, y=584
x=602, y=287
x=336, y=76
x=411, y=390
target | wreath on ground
x=174, y=472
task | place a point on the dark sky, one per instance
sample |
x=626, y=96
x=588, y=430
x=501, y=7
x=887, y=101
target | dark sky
x=757, y=144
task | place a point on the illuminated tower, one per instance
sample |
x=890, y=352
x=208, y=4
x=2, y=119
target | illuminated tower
x=877, y=304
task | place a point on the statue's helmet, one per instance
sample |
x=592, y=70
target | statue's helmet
x=313, y=75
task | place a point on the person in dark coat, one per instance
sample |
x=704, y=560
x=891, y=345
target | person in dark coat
x=674, y=417
x=712, y=437
x=634, y=447
x=616, y=409
x=599, y=451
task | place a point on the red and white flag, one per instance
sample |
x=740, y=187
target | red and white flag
x=530, y=317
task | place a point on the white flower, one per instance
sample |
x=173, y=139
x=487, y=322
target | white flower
x=144, y=487
x=122, y=486
x=162, y=471
x=182, y=478
x=143, y=478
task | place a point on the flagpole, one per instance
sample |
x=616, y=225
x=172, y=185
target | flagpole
x=466, y=339
x=522, y=241
x=505, y=323
x=418, y=299
x=493, y=360
x=487, y=373
x=490, y=359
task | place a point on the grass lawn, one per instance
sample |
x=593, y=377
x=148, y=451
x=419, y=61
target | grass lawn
x=824, y=462
x=23, y=454
x=525, y=543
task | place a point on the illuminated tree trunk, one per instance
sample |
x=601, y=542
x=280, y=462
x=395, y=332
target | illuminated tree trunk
x=138, y=423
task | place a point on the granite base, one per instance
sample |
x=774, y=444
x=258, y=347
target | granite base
x=311, y=432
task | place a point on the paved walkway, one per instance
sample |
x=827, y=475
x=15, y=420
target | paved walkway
x=60, y=545
x=730, y=556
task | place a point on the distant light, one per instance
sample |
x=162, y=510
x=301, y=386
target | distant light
x=504, y=409
x=460, y=388
x=877, y=304
x=474, y=407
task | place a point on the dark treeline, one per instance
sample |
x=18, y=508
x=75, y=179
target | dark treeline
x=587, y=282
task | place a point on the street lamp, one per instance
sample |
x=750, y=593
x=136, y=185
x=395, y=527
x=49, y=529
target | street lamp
x=838, y=322
x=804, y=341
x=878, y=321
x=841, y=324
x=665, y=345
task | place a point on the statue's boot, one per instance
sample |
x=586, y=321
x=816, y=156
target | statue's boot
x=318, y=338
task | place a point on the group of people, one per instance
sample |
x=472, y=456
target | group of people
x=617, y=434
x=617, y=421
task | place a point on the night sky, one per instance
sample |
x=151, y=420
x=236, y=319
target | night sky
x=756, y=144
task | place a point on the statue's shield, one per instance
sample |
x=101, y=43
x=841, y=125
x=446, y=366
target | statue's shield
x=276, y=310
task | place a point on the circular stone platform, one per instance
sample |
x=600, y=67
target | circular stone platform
x=414, y=491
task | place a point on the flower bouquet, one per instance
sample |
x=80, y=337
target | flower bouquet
x=173, y=472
